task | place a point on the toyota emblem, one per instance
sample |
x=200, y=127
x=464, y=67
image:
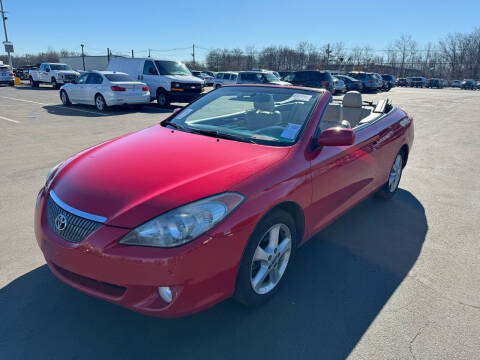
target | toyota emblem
x=60, y=222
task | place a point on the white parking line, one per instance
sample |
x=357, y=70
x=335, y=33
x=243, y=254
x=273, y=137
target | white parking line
x=54, y=105
x=7, y=119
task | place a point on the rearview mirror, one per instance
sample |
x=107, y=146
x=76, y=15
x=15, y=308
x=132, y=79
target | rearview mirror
x=336, y=136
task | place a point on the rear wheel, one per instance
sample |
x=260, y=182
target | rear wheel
x=64, y=98
x=100, y=103
x=162, y=98
x=33, y=84
x=55, y=84
x=266, y=259
x=391, y=186
x=217, y=86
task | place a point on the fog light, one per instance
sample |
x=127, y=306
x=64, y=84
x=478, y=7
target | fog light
x=165, y=293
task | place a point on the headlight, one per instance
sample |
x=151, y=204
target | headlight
x=51, y=174
x=176, y=85
x=185, y=223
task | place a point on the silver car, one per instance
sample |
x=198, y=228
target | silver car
x=6, y=75
x=338, y=85
x=105, y=88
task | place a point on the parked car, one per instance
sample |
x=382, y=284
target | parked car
x=283, y=74
x=469, y=84
x=339, y=85
x=225, y=78
x=214, y=201
x=104, y=89
x=434, y=83
x=55, y=74
x=207, y=79
x=418, y=82
x=259, y=77
x=389, y=80
x=6, y=75
x=351, y=83
x=456, y=83
x=314, y=79
x=381, y=84
x=369, y=82
x=169, y=81
x=404, y=82
x=211, y=73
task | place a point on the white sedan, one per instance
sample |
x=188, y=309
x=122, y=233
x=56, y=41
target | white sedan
x=105, y=88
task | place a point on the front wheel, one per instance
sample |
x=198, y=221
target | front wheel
x=162, y=98
x=391, y=186
x=64, y=98
x=100, y=103
x=266, y=259
x=55, y=84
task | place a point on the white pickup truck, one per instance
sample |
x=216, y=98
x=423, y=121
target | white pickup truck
x=55, y=74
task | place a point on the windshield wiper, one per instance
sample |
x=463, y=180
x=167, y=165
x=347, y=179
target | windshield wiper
x=176, y=126
x=218, y=134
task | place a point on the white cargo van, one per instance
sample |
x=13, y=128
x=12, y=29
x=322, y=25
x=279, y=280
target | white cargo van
x=169, y=81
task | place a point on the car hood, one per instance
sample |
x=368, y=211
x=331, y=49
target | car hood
x=134, y=178
x=184, y=78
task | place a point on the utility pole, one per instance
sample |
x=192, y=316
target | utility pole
x=83, y=57
x=132, y=54
x=149, y=52
x=5, y=30
x=193, y=53
x=328, y=54
x=108, y=54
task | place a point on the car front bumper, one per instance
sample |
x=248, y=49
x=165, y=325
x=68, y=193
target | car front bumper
x=184, y=96
x=199, y=274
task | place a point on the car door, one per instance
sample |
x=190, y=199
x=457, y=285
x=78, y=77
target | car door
x=75, y=92
x=341, y=176
x=44, y=72
x=91, y=88
x=151, y=76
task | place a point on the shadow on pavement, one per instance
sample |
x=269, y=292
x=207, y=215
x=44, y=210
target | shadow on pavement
x=339, y=283
x=91, y=111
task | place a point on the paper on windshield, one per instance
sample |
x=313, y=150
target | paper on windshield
x=300, y=97
x=290, y=131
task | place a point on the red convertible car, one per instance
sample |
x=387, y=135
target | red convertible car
x=214, y=201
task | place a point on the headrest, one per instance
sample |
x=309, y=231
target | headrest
x=264, y=102
x=352, y=99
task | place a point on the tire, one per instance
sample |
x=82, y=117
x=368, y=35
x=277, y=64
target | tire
x=11, y=84
x=261, y=256
x=217, y=86
x=389, y=189
x=163, y=100
x=100, y=103
x=64, y=98
x=33, y=84
x=55, y=84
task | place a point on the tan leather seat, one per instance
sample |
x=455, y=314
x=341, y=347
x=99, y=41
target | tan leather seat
x=353, y=111
x=264, y=114
x=332, y=117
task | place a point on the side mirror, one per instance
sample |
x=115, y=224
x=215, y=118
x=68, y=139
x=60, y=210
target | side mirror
x=47, y=70
x=336, y=136
x=176, y=110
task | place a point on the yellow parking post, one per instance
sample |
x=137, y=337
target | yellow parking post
x=17, y=81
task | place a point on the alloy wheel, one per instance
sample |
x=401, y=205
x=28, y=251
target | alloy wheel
x=100, y=103
x=271, y=258
x=395, y=173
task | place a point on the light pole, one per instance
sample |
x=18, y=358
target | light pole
x=83, y=57
x=6, y=36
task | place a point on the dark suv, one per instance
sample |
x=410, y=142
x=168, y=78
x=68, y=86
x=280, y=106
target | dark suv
x=418, y=82
x=315, y=79
x=469, y=84
x=389, y=80
x=369, y=81
x=435, y=83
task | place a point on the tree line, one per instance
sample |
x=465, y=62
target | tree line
x=457, y=56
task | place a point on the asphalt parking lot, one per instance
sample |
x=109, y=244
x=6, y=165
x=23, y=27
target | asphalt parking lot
x=388, y=280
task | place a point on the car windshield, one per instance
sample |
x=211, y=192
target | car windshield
x=269, y=116
x=60, y=67
x=172, y=68
x=118, y=77
x=259, y=77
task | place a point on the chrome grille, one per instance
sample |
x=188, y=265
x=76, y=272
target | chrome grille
x=76, y=229
x=70, y=76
